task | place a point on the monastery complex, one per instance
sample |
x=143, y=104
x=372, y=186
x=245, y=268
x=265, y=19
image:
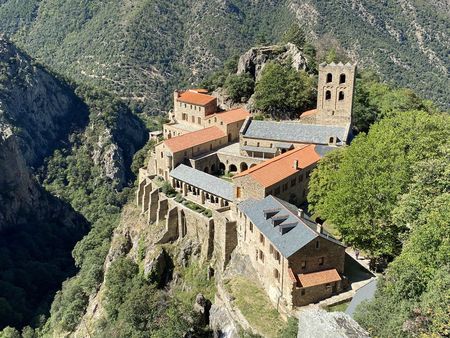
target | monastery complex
x=240, y=183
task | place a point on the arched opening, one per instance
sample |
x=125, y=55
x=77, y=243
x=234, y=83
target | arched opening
x=328, y=95
x=244, y=166
x=329, y=77
x=341, y=96
x=331, y=141
x=169, y=135
x=232, y=168
x=342, y=78
x=221, y=168
x=206, y=170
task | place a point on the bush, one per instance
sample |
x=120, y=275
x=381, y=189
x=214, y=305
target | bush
x=239, y=87
x=283, y=92
x=167, y=189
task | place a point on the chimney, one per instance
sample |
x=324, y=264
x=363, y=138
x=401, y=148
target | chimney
x=319, y=228
x=300, y=213
x=296, y=165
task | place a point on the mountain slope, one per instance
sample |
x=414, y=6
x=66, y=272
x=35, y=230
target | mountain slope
x=80, y=143
x=142, y=49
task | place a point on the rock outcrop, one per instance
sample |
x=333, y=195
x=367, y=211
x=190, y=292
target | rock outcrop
x=255, y=59
x=317, y=323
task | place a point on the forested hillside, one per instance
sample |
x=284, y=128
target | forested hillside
x=65, y=160
x=142, y=49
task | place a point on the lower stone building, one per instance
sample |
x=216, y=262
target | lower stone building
x=285, y=176
x=296, y=261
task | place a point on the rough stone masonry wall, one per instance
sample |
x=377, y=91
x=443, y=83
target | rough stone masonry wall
x=225, y=236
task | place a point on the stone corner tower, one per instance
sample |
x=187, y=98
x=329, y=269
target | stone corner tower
x=335, y=93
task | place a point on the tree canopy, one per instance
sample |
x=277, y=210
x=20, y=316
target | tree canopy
x=414, y=296
x=283, y=92
x=372, y=173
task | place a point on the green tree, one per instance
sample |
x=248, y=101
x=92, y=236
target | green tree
x=296, y=35
x=374, y=171
x=119, y=282
x=282, y=91
x=239, y=87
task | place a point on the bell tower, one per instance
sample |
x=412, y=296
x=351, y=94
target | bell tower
x=335, y=93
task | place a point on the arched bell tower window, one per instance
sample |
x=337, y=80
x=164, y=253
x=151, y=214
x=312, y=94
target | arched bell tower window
x=342, y=79
x=341, y=96
x=328, y=95
x=329, y=77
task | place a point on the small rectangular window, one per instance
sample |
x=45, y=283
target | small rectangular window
x=251, y=227
x=271, y=248
x=261, y=239
x=303, y=264
x=321, y=261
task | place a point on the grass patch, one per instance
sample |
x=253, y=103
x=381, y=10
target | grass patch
x=338, y=308
x=195, y=281
x=255, y=305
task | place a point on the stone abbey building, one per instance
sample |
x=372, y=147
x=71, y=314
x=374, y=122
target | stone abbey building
x=252, y=175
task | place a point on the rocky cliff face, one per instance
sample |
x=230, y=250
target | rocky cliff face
x=254, y=60
x=39, y=109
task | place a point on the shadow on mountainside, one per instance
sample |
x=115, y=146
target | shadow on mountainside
x=35, y=258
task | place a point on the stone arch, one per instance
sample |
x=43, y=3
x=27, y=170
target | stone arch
x=232, y=168
x=329, y=77
x=341, y=95
x=328, y=95
x=222, y=168
x=244, y=166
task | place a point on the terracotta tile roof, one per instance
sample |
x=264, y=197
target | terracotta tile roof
x=194, y=97
x=193, y=139
x=319, y=278
x=309, y=112
x=233, y=115
x=280, y=167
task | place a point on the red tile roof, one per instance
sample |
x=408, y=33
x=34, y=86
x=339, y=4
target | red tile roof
x=280, y=167
x=231, y=116
x=309, y=113
x=193, y=139
x=194, y=97
x=319, y=278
